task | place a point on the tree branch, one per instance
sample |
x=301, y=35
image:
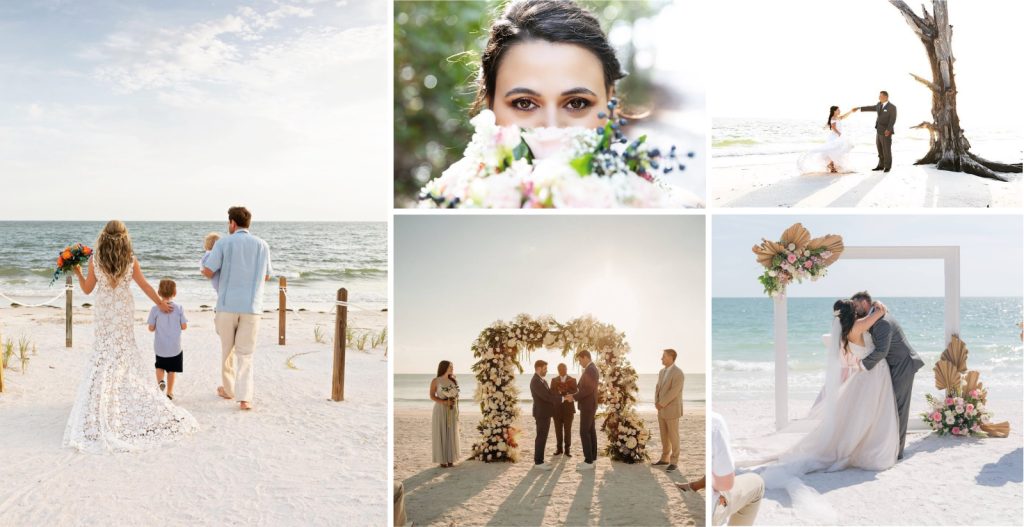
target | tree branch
x=919, y=25
x=931, y=85
x=998, y=167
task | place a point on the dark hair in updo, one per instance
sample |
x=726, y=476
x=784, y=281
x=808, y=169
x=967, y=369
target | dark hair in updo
x=831, y=112
x=847, y=316
x=555, y=21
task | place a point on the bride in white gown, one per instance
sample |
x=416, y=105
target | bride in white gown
x=831, y=156
x=857, y=425
x=118, y=407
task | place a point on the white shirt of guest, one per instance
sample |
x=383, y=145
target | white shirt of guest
x=721, y=455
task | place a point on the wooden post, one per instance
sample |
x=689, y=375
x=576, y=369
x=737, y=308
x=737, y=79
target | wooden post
x=340, y=326
x=67, y=314
x=282, y=308
x=781, y=364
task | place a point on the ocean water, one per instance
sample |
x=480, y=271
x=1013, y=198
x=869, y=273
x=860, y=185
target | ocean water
x=411, y=389
x=743, y=343
x=731, y=137
x=317, y=258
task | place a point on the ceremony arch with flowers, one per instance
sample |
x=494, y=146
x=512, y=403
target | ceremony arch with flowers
x=500, y=349
x=796, y=256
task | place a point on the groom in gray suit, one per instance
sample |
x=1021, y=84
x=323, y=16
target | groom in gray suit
x=885, y=120
x=891, y=344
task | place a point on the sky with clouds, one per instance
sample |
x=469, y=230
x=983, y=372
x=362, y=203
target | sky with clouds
x=991, y=255
x=455, y=275
x=176, y=110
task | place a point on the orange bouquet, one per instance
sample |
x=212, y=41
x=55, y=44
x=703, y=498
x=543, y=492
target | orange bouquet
x=70, y=257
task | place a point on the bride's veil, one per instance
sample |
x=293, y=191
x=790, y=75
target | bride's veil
x=833, y=371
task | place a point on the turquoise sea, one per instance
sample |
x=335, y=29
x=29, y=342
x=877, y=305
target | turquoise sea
x=743, y=345
x=317, y=258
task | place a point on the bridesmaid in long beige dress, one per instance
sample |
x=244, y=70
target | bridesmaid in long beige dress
x=445, y=426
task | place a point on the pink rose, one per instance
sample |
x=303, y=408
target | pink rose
x=791, y=258
x=956, y=430
x=974, y=393
x=970, y=407
x=808, y=264
x=949, y=401
x=936, y=416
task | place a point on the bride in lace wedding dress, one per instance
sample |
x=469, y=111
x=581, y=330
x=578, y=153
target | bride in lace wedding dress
x=118, y=407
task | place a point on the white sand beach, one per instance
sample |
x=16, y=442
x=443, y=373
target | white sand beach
x=940, y=481
x=773, y=180
x=477, y=493
x=297, y=459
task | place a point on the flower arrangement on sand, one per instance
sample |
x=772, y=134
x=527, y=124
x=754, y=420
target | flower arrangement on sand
x=500, y=349
x=962, y=412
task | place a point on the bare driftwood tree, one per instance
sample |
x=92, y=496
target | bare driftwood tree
x=948, y=148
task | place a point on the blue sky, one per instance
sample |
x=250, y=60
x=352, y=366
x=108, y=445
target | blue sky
x=176, y=110
x=991, y=259
x=454, y=276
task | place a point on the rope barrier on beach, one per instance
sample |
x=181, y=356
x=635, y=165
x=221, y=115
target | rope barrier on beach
x=48, y=302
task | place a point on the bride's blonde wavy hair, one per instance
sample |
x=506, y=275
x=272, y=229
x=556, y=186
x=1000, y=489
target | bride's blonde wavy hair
x=114, y=250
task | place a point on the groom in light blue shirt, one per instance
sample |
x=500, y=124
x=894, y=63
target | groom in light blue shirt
x=243, y=261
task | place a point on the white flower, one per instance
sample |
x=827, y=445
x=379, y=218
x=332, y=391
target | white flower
x=631, y=443
x=791, y=247
x=555, y=143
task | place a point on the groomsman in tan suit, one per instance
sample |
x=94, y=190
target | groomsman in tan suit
x=668, y=399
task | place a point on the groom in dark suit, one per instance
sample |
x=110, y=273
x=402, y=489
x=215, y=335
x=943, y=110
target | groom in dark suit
x=885, y=120
x=586, y=398
x=891, y=344
x=544, y=403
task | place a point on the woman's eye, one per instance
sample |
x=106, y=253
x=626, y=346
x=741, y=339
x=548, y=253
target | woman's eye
x=523, y=104
x=578, y=104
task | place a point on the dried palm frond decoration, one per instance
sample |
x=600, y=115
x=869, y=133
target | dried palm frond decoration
x=962, y=412
x=795, y=257
x=956, y=354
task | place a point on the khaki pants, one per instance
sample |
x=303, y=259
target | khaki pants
x=742, y=501
x=669, y=439
x=237, y=333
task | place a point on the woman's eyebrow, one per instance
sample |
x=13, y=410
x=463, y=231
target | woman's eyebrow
x=579, y=91
x=522, y=91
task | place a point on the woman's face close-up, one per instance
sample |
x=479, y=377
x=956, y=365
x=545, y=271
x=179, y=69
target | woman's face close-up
x=540, y=83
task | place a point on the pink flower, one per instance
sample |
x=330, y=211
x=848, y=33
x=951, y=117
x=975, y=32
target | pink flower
x=936, y=416
x=974, y=393
x=956, y=430
x=808, y=264
x=791, y=258
x=959, y=401
x=949, y=401
x=970, y=407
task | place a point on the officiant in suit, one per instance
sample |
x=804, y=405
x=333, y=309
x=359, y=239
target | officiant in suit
x=668, y=399
x=565, y=411
x=885, y=121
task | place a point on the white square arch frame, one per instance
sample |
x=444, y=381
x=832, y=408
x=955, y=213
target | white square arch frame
x=950, y=256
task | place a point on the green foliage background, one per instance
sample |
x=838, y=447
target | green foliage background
x=437, y=49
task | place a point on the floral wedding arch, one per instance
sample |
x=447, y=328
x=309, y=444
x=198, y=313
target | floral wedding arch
x=786, y=261
x=500, y=349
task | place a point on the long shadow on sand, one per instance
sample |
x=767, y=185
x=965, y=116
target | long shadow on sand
x=647, y=495
x=797, y=187
x=582, y=501
x=526, y=504
x=1006, y=470
x=853, y=197
x=436, y=490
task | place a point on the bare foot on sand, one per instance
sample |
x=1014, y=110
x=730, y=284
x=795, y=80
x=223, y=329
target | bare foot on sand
x=244, y=405
x=222, y=393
